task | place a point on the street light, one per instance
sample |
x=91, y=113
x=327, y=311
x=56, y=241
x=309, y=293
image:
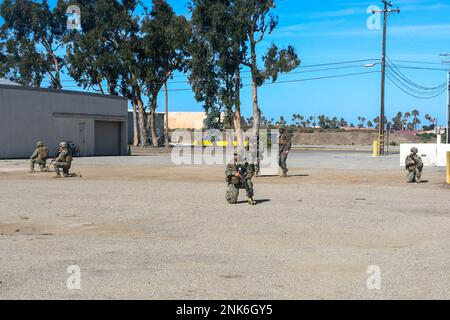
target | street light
x=371, y=65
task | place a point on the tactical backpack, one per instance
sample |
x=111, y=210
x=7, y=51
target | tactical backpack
x=283, y=139
x=69, y=156
x=43, y=153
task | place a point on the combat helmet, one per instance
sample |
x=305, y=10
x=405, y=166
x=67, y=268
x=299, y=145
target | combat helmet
x=63, y=145
x=39, y=144
x=414, y=150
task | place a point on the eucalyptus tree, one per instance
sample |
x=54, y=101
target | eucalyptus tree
x=165, y=40
x=32, y=36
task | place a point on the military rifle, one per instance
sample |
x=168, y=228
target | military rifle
x=243, y=174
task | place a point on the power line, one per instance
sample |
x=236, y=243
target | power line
x=413, y=90
x=417, y=62
x=247, y=77
x=421, y=68
x=287, y=81
x=396, y=71
x=388, y=75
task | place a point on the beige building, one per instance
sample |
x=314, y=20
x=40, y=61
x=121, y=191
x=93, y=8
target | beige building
x=186, y=120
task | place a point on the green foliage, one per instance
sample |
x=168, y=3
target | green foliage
x=104, y=51
x=427, y=137
x=393, y=143
x=213, y=120
x=216, y=51
x=31, y=36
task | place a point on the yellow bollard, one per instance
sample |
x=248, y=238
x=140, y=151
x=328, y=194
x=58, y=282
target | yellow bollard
x=448, y=167
x=375, y=149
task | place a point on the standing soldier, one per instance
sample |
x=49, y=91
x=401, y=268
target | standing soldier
x=239, y=176
x=414, y=165
x=63, y=160
x=40, y=156
x=285, y=148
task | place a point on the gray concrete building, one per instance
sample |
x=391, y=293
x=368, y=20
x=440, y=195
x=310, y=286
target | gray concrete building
x=96, y=123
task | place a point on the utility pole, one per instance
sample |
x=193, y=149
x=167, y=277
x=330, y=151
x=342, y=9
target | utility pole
x=448, y=97
x=381, y=132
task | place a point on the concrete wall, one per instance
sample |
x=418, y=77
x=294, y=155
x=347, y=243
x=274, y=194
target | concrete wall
x=159, y=121
x=186, y=120
x=432, y=154
x=31, y=114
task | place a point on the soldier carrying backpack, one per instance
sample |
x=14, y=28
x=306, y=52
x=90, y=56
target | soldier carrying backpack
x=63, y=160
x=40, y=156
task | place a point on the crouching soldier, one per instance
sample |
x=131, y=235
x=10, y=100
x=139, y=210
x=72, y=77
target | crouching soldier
x=414, y=165
x=63, y=160
x=239, y=176
x=40, y=156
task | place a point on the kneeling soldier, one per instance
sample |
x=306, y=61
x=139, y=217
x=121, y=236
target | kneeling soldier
x=239, y=176
x=414, y=165
x=63, y=160
x=40, y=156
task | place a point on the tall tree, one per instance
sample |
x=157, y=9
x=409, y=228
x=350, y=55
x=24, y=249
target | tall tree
x=165, y=48
x=258, y=21
x=397, y=121
x=33, y=36
x=405, y=120
x=415, y=113
x=104, y=55
x=217, y=53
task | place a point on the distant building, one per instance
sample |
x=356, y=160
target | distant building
x=96, y=123
x=186, y=120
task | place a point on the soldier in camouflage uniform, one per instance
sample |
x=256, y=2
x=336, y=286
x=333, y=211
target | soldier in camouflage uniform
x=234, y=179
x=285, y=148
x=63, y=160
x=40, y=156
x=414, y=165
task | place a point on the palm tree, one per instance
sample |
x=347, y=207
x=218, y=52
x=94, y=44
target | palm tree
x=415, y=114
x=362, y=122
x=405, y=120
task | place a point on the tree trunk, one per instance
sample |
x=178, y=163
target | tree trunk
x=135, y=124
x=166, y=131
x=256, y=110
x=141, y=118
x=57, y=72
x=152, y=123
x=237, y=113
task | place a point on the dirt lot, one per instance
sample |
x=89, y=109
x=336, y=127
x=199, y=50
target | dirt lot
x=140, y=228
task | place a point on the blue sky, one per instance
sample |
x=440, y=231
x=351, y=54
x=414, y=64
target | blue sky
x=334, y=31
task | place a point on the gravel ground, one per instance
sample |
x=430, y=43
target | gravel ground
x=140, y=228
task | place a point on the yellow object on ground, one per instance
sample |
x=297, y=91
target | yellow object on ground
x=448, y=167
x=375, y=149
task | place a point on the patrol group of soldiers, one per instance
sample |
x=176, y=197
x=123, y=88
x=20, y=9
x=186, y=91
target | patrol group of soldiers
x=63, y=160
x=239, y=173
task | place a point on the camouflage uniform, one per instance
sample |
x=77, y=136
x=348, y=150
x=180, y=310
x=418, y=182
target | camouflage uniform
x=235, y=183
x=39, y=157
x=63, y=160
x=285, y=148
x=414, y=165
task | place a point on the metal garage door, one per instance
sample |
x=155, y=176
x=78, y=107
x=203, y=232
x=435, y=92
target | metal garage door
x=107, y=138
